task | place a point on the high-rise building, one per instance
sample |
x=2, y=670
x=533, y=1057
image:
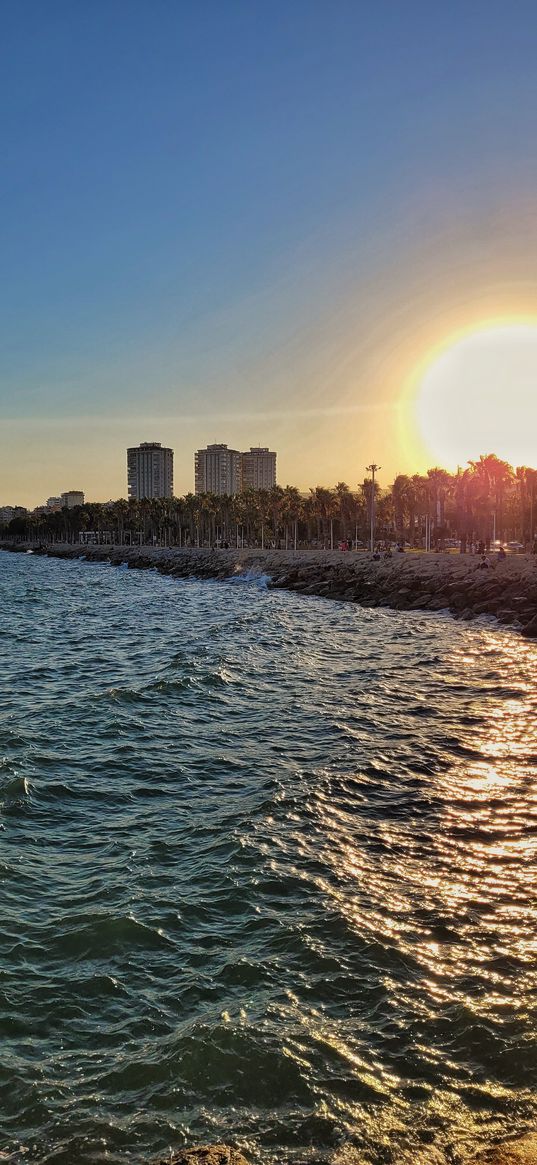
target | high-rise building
x=7, y=513
x=150, y=471
x=218, y=470
x=72, y=498
x=258, y=468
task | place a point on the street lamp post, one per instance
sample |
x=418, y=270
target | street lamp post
x=372, y=469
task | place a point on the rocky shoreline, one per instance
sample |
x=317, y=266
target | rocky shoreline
x=457, y=584
x=522, y=1151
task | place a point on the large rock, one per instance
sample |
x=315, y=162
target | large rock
x=530, y=630
x=523, y=1152
x=205, y=1155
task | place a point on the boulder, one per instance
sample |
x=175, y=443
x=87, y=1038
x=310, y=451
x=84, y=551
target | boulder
x=505, y=615
x=419, y=602
x=458, y=601
x=205, y=1155
x=522, y=1152
x=530, y=629
x=438, y=603
x=487, y=607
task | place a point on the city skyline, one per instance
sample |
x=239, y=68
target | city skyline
x=259, y=477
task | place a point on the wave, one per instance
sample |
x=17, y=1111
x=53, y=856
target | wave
x=269, y=874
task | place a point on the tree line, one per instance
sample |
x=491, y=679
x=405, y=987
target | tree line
x=487, y=500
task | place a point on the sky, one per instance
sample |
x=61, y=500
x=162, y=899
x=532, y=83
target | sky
x=252, y=222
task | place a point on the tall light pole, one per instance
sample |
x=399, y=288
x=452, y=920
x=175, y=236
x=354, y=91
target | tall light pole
x=372, y=469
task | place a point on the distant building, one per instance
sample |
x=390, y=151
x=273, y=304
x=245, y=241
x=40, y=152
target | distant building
x=150, y=471
x=72, y=498
x=218, y=470
x=54, y=504
x=7, y=513
x=258, y=468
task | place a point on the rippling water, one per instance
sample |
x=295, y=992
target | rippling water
x=268, y=872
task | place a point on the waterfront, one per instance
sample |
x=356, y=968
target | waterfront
x=455, y=583
x=269, y=869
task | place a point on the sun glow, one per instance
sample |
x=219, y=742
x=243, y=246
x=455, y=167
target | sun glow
x=478, y=394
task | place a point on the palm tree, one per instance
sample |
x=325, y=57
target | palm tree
x=207, y=513
x=191, y=509
x=439, y=481
x=291, y=512
x=494, y=476
x=419, y=500
x=531, y=478
x=275, y=505
x=367, y=494
x=345, y=505
x=402, y=492
x=325, y=507
x=526, y=479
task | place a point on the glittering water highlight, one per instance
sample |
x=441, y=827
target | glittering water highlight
x=268, y=872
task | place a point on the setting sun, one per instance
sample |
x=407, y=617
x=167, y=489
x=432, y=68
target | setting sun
x=479, y=393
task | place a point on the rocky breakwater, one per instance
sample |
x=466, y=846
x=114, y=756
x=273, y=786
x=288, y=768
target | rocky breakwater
x=455, y=583
x=458, y=584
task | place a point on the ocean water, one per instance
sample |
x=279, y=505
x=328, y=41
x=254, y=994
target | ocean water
x=268, y=872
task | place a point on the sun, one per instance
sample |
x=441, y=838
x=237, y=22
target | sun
x=478, y=394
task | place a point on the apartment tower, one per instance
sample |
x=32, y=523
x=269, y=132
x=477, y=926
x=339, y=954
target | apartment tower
x=258, y=468
x=150, y=471
x=70, y=499
x=218, y=470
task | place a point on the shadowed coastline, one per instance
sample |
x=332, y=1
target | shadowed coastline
x=458, y=584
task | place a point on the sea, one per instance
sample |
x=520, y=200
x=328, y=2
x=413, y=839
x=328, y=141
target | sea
x=268, y=873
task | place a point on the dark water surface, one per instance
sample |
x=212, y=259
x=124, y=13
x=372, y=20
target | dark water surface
x=268, y=871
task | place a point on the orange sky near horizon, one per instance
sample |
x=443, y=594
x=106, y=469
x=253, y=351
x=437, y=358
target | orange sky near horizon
x=341, y=392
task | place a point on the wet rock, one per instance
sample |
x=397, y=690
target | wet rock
x=458, y=601
x=530, y=629
x=205, y=1155
x=438, y=603
x=521, y=1152
x=488, y=607
x=420, y=602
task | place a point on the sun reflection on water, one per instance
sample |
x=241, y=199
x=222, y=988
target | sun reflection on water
x=440, y=887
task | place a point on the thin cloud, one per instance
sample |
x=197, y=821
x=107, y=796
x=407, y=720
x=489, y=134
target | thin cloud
x=157, y=419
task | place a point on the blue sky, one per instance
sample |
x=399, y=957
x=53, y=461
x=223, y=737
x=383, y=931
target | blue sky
x=243, y=221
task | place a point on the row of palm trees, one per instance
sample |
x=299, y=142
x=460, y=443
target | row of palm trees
x=488, y=500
